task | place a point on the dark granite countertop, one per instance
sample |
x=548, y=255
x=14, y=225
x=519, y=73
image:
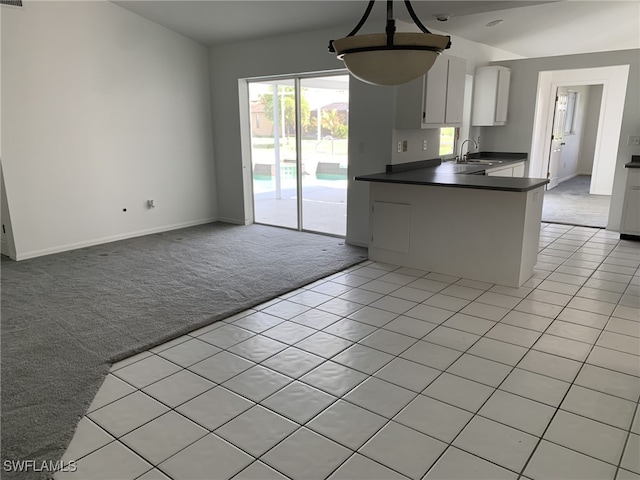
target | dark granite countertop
x=505, y=156
x=634, y=163
x=459, y=175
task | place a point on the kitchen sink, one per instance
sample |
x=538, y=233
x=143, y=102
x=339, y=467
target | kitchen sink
x=481, y=161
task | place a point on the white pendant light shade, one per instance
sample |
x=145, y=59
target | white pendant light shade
x=370, y=59
x=389, y=58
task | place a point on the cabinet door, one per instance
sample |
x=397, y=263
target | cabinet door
x=502, y=99
x=435, y=95
x=490, y=96
x=455, y=90
x=502, y=172
x=518, y=170
x=631, y=220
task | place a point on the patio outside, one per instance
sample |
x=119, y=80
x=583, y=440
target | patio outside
x=324, y=197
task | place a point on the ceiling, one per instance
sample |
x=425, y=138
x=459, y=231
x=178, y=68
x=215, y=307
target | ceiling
x=529, y=29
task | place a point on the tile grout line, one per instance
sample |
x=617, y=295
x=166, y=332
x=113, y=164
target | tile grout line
x=583, y=363
x=395, y=356
x=626, y=441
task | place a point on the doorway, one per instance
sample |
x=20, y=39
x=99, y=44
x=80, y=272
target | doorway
x=613, y=83
x=571, y=203
x=299, y=152
x=575, y=126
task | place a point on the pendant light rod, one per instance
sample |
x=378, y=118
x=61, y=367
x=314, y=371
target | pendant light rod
x=391, y=24
x=363, y=19
x=389, y=58
x=390, y=27
x=414, y=17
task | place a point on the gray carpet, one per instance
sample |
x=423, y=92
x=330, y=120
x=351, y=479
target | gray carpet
x=65, y=317
x=570, y=203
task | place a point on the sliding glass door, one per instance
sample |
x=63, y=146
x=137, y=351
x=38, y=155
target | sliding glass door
x=273, y=152
x=324, y=154
x=299, y=138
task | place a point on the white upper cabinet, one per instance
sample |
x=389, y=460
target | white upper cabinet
x=455, y=91
x=490, y=96
x=435, y=93
x=435, y=99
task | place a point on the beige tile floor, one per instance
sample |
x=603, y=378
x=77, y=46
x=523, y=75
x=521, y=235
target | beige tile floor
x=380, y=372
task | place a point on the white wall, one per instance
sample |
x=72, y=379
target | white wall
x=516, y=135
x=103, y=110
x=590, y=130
x=370, y=136
x=6, y=233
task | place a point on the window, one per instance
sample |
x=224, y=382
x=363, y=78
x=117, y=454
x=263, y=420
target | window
x=447, y=141
x=572, y=102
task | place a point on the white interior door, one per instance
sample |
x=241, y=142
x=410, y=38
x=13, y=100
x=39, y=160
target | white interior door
x=557, y=136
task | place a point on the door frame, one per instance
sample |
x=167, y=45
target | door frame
x=614, y=88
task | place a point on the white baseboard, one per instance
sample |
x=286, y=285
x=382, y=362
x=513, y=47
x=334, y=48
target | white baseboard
x=569, y=177
x=112, y=238
x=5, y=250
x=234, y=221
x=356, y=243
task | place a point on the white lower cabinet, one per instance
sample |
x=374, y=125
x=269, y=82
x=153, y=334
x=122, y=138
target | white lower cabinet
x=631, y=208
x=518, y=170
x=512, y=170
x=412, y=227
x=500, y=172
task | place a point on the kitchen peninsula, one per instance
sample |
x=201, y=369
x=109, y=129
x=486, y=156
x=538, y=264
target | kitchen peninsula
x=457, y=219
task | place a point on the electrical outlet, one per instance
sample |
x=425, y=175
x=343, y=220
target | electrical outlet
x=424, y=145
x=633, y=140
x=405, y=146
x=399, y=147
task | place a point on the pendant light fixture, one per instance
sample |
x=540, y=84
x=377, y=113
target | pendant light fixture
x=389, y=58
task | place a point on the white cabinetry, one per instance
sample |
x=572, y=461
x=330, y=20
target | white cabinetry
x=435, y=99
x=631, y=207
x=490, y=96
x=512, y=170
x=518, y=170
x=505, y=226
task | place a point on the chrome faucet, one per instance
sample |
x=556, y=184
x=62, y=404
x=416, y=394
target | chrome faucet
x=463, y=158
